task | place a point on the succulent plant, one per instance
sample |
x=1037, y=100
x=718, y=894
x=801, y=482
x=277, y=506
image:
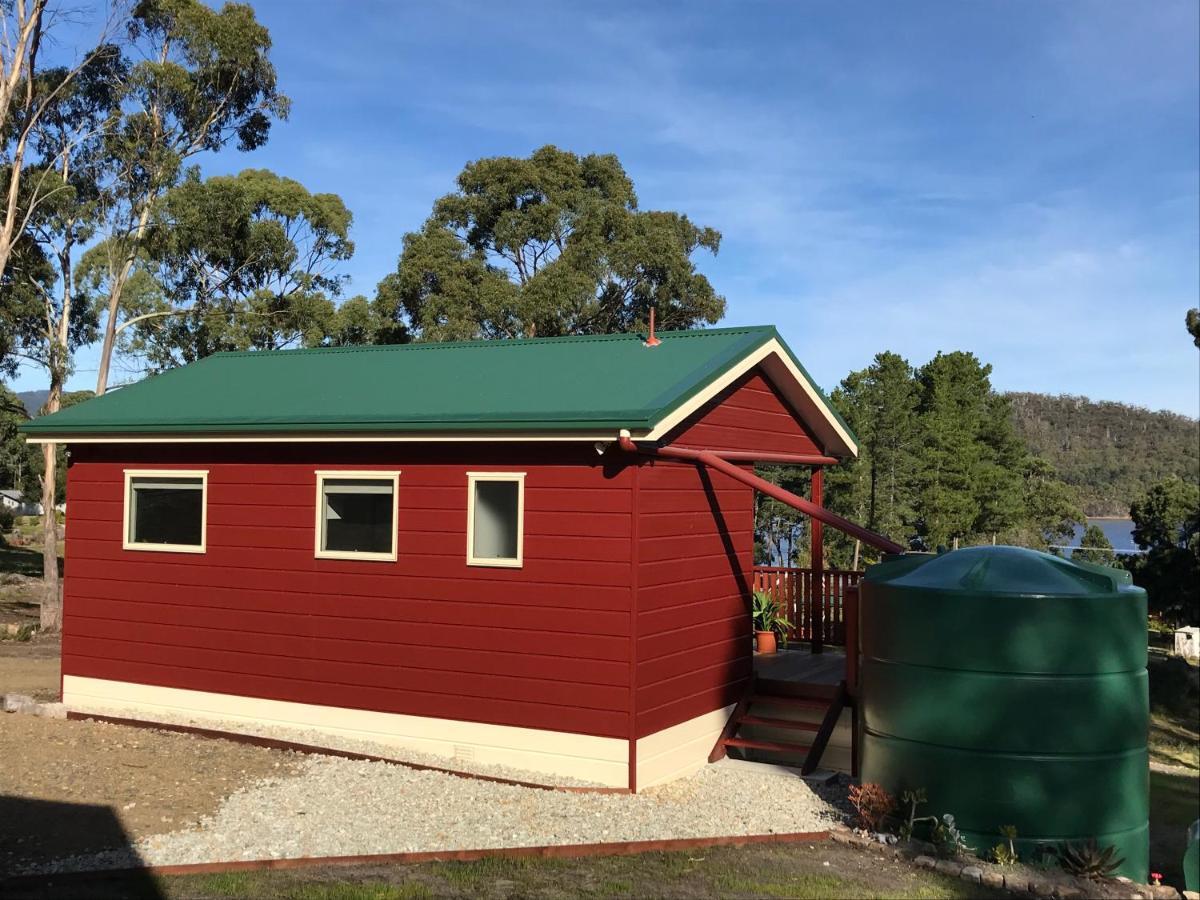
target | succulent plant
x=1089, y=860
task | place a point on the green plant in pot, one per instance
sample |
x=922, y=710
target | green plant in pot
x=769, y=622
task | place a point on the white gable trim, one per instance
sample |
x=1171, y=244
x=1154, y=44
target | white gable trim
x=790, y=381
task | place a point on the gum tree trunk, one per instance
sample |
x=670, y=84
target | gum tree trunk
x=51, y=614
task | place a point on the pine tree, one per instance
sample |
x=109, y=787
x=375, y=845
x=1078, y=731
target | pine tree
x=954, y=389
x=1095, y=547
x=877, y=489
x=970, y=485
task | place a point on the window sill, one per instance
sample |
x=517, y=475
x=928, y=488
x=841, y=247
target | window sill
x=497, y=563
x=350, y=555
x=165, y=548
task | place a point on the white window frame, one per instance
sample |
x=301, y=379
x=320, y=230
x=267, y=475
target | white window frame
x=376, y=475
x=472, y=479
x=127, y=541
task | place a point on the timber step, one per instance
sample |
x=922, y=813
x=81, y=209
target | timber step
x=811, y=753
x=771, y=746
x=783, y=700
x=780, y=723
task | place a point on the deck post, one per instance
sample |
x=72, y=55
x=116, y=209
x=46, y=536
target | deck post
x=817, y=599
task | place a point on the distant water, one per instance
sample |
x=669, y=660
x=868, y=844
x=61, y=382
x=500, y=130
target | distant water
x=1118, y=531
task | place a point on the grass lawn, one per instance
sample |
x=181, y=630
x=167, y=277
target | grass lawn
x=798, y=870
x=1173, y=738
x=21, y=583
x=1174, y=785
x=1174, y=805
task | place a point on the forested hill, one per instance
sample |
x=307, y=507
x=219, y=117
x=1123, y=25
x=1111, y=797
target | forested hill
x=33, y=400
x=1112, y=453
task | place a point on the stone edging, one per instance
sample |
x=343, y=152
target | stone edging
x=1017, y=883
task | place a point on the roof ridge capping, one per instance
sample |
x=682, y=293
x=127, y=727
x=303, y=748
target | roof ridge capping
x=496, y=343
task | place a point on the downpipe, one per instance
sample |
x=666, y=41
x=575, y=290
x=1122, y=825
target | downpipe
x=723, y=464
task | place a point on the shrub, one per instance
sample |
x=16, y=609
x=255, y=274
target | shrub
x=948, y=840
x=7, y=519
x=1005, y=852
x=872, y=804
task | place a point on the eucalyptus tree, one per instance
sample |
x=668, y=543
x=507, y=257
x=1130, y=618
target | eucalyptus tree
x=237, y=262
x=1051, y=508
x=779, y=528
x=1166, y=524
x=359, y=321
x=548, y=245
x=27, y=96
x=201, y=78
x=65, y=167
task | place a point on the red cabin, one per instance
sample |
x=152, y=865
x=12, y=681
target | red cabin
x=445, y=547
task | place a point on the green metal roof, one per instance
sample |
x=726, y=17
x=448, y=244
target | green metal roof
x=571, y=384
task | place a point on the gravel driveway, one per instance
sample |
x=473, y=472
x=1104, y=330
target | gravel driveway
x=337, y=807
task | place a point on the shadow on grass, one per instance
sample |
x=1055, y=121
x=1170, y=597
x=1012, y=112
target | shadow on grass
x=1174, y=800
x=36, y=832
x=23, y=561
x=1173, y=739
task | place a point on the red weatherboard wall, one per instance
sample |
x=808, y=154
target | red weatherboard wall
x=696, y=558
x=545, y=646
x=748, y=415
x=695, y=573
x=630, y=614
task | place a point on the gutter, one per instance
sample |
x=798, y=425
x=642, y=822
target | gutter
x=724, y=463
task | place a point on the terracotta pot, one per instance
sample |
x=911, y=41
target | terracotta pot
x=765, y=641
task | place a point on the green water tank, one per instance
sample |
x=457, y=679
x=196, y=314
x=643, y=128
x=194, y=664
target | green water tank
x=1011, y=686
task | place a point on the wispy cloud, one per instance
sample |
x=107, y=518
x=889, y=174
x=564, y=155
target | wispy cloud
x=1014, y=178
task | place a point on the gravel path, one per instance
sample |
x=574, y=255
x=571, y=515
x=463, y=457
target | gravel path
x=314, y=738
x=337, y=807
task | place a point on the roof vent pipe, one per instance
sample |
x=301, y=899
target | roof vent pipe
x=651, y=341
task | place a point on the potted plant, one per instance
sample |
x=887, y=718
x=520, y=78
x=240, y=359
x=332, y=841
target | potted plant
x=768, y=621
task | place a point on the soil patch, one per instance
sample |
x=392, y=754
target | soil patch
x=31, y=667
x=71, y=787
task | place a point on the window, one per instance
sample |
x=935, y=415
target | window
x=495, y=518
x=165, y=510
x=356, y=515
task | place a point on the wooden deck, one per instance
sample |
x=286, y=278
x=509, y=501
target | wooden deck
x=798, y=664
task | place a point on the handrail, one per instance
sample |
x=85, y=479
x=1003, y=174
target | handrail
x=793, y=589
x=851, y=572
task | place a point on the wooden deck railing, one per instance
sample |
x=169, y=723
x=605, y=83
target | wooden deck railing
x=793, y=588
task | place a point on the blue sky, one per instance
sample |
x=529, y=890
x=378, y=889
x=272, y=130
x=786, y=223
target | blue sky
x=1017, y=179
